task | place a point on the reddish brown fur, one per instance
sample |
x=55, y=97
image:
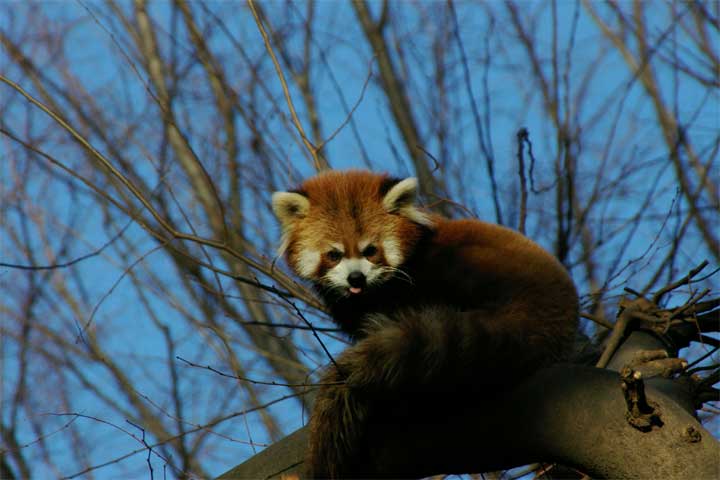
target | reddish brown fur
x=342, y=205
x=485, y=305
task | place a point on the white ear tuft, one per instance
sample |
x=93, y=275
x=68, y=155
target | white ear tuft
x=289, y=207
x=401, y=199
x=403, y=194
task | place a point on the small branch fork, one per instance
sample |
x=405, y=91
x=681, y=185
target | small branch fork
x=318, y=162
x=676, y=327
x=642, y=413
x=149, y=449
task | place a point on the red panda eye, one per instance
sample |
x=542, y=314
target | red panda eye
x=334, y=255
x=369, y=251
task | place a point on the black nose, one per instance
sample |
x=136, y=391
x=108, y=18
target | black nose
x=356, y=279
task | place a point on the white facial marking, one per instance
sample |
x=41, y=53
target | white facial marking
x=363, y=243
x=307, y=263
x=338, y=275
x=393, y=253
x=374, y=273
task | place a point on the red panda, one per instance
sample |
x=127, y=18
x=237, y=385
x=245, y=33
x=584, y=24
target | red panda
x=434, y=305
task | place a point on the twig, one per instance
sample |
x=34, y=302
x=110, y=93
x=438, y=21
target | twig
x=256, y=382
x=689, y=304
x=312, y=328
x=149, y=448
x=317, y=163
x=112, y=289
x=175, y=437
x=436, y=165
x=484, y=147
x=615, y=339
x=522, y=137
x=145, y=447
x=598, y=320
x=706, y=306
x=290, y=326
x=70, y=262
x=221, y=246
x=705, y=356
x=348, y=117
x=686, y=279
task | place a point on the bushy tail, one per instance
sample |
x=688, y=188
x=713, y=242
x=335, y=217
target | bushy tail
x=420, y=350
x=336, y=428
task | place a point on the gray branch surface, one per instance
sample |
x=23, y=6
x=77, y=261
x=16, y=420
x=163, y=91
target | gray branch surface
x=634, y=418
x=573, y=415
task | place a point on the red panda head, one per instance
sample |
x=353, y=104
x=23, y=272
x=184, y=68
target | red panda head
x=349, y=231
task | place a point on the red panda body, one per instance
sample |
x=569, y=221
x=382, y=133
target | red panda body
x=434, y=304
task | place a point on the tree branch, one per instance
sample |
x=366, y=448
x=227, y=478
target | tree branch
x=568, y=414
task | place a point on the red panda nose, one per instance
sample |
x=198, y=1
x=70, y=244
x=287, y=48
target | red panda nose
x=356, y=279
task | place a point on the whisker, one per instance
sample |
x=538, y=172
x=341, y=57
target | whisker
x=402, y=274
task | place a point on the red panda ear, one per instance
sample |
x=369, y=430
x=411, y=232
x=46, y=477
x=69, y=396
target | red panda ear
x=401, y=198
x=401, y=195
x=289, y=207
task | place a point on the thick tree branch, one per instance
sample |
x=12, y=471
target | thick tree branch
x=568, y=414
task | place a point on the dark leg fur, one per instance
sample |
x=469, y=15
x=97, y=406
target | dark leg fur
x=430, y=349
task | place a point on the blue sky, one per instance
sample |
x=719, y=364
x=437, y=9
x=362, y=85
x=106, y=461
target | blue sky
x=91, y=53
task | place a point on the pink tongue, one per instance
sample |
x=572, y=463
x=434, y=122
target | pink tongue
x=355, y=290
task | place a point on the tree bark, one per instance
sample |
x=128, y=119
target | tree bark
x=569, y=414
